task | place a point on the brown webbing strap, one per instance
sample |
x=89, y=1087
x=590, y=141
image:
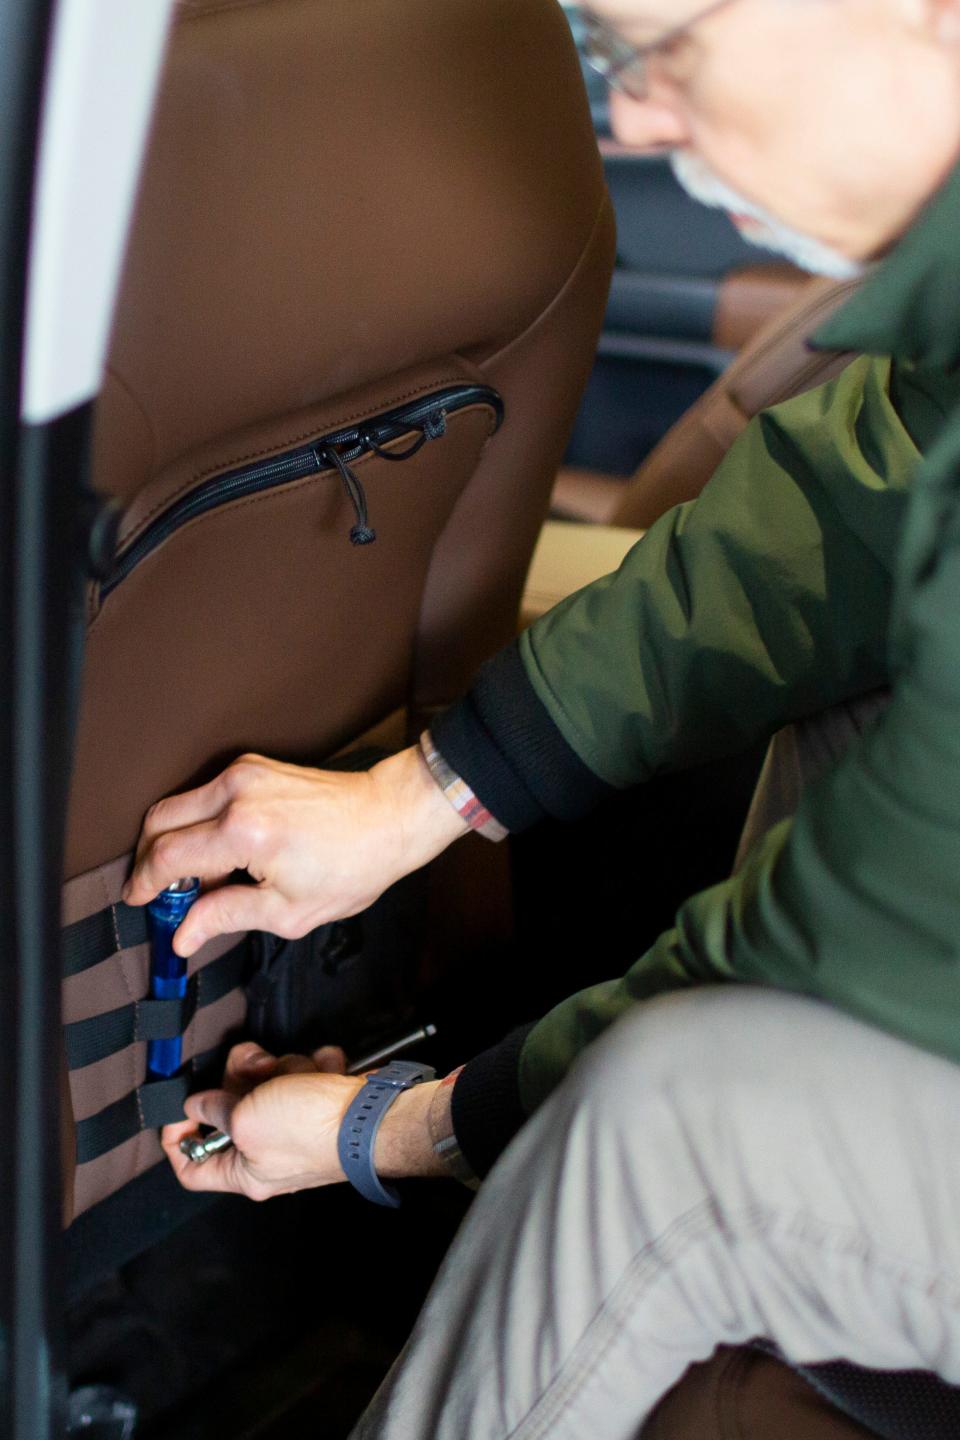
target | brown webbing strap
x=88, y=1041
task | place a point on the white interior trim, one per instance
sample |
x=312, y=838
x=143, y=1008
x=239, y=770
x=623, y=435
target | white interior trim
x=100, y=87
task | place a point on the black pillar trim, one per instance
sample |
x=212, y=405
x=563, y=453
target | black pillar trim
x=44, y=560
x=32, y=1388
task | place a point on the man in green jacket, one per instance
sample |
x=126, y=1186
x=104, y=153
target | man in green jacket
x=722, y=1162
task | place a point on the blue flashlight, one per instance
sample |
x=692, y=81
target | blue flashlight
x=168, y=970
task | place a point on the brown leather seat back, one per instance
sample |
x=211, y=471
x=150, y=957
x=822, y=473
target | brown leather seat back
x=347, y=209
x=774, y=366
x=344, y=207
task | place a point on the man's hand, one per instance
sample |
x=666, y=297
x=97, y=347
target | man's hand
x=284, y=1116
x=320, y=844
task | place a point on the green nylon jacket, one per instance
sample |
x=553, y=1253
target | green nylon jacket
x=822, y=561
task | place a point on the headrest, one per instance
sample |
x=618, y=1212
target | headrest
x=334, y=192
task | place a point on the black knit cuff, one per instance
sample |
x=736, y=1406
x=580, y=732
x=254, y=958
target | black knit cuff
x=485, y=1106
x=501, y=739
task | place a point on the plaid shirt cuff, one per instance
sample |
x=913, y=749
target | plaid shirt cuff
x=458, y=792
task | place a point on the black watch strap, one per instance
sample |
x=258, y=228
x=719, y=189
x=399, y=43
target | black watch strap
x=362, y=1121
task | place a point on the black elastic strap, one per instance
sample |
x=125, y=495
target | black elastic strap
x=86, y=942
x=88, y=1041
x=158, y=1102
x=163, y=1019
x=155, y=1103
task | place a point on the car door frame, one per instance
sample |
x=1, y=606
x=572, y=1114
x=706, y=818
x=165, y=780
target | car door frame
x=77, y=107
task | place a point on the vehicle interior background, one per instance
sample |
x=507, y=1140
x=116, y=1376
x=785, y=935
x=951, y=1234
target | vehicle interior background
x=687, y=293
x=175, y=1328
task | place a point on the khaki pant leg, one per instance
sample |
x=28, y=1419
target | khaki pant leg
x=742, y=1394
x=721, y=1164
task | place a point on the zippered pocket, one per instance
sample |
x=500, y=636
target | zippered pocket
x=335, y=453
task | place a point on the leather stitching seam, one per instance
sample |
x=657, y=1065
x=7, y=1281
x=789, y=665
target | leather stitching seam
x=295, y=486
x=277, y=448
x=604, y=212
x=282, y=492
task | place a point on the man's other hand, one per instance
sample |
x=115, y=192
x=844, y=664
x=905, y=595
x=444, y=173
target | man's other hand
x=284, y=1115
x=320, y=844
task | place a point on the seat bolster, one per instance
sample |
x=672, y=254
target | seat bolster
x=781, y=363
x=589, y=495
x=486, y=545
x=776, y=366
x=568, y=556
x=753, y=295
x=678, y=468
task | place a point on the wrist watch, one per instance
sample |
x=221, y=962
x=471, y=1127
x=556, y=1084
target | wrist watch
x=358, y=1130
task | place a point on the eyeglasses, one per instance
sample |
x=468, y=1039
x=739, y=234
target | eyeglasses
x=625, y=67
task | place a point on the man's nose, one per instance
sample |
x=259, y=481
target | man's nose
x=653, y=124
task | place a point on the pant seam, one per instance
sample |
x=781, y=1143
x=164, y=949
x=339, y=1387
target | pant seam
x=698, y=1219
x=689, y=1229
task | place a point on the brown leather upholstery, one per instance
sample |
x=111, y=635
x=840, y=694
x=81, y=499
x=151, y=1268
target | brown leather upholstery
x=743, y=1394
x=752, y=297
x=344, y=207
x=588, y=495
x=776, y=365
x=342, y=204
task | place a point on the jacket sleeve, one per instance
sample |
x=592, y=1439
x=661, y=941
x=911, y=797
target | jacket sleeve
x=854, y=901
x=764, y=600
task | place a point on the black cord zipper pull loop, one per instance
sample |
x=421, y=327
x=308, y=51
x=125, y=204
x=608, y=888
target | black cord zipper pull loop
x=432, y=428
x=435, y=426
x=407, y=454
x=362, y=533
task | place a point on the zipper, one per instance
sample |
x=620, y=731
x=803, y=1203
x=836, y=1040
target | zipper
x=334, y=452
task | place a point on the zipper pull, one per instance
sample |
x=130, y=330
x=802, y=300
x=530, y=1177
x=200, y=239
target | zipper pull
x=362, y=533
x=430, y=428
x=435, y=426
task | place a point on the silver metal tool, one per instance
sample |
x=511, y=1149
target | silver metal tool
x=387, y=1052
x=199, y=1149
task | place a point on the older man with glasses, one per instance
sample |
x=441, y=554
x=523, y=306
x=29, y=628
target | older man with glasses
x=703, y=1165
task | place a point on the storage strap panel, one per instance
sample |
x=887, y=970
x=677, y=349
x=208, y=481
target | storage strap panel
x=151, y=1105
x=87, y=942
x=88, y=1041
